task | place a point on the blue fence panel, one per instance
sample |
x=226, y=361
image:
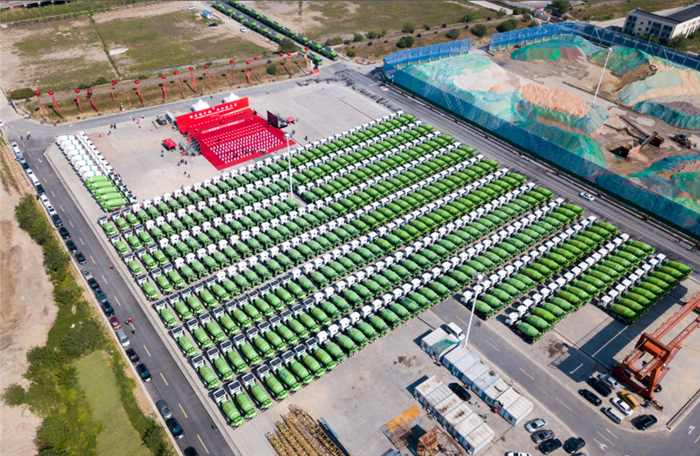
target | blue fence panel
x=600, y=36
x=392, y=62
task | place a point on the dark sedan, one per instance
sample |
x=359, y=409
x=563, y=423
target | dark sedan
x=80, y=258
x=131, y=353
x=548, y=446
x=64, y=232
x=143, y=372
x=590, y=397
x=646, y=421
x=574, y=445
x=175, y=428
x=600, y=386
x=71, y=246
x=460, y=391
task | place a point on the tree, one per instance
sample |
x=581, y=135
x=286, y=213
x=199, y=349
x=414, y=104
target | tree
x=272, y=69
x=351, y=52
x=372, y=35
x=333, y=41
x=533, y=24
x=357, y=37
x=507, y=26
x=468, y=17
x=526, y=18
x=408, y=27
x=287, y=45
x=479, y=30
x=426, y=26
x=677, y=42
x=453, y=34
x=561, y=6
x=406, y=42
x=383, y=32
x=500, y=13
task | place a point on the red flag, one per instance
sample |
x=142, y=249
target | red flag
x=77, y=97
x=192, y=76
x=54, y=102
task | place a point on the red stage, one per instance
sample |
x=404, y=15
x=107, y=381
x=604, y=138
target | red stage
x=231, y=133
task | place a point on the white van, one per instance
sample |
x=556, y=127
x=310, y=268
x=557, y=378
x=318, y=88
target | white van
x=614, y=415
x=455, y=330
x=121, y=335
x=32, y=177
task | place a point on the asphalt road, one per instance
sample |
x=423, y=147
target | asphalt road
x=170, y=382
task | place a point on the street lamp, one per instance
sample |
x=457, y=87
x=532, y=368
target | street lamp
x=288, y=136
x=602, y=74
x=479, y=278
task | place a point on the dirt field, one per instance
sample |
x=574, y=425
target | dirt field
x=64, y=54
x=323, y=20
x=27, y=312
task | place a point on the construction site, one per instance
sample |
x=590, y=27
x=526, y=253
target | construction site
x=635, y=139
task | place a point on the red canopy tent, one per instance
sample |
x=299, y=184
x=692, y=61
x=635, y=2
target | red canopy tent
x=169, y=143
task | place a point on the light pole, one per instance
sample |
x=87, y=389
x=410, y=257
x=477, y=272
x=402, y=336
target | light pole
x=287, y=136
x=479, y=278
x=602, y=74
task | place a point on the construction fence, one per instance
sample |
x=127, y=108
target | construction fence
x=550, y=144
x=600, y=36
x=394, y=61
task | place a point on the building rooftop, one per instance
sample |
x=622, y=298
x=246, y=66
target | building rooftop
x=654, y=16
x=686, y=14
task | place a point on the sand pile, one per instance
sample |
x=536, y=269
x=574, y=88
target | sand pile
x=555, y=99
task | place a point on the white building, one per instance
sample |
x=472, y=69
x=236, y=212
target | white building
x=682, y=21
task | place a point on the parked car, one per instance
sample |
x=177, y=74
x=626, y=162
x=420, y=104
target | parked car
x=622, y=406
x=40, y=189
x=213, y=24
x=460, y=391
x=590, y=397
x=64, y=232
x=24, y=163
x=574, y=445
x=541, y=436
x=15, y=148
x=600, y=386
x=548, y=446
x=108, y=309
x=143, y=372
x=131, y=353
x=163, y=408
x=646, y=421
x=191, y=7
x=586, y=196
x=511, y=453
x=71, y=246
x=114, y=321
x=609, y=380
x=93, y=284
x=57, y=221
x=175, y=428
x=535, y=425
x=243, y=30
x=86, y=274
x=100, y=295
x=190, y=451
x=80, y=258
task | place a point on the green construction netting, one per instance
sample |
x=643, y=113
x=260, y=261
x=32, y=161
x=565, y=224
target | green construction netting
x=552, y=49
x=660, y=80
x=669, y=115
x=678, y=182
x=586, y=125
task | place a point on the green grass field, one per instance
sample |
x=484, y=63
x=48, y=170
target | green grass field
x=606, y=10
x=23, y=14
x=170, y=40
x=118, y=437
x=347, y=18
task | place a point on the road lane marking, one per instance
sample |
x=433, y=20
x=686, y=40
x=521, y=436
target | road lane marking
x=52, y=193
x=149, y=353
x=494, y=347
x=200, y=441
x=564, y=404
x=71, y=224
x=610, y=432
x=62, y=210
x=120, y=304
x=166, y=382
x=526, y=373
x=103, y=278
x=696, y=440
x=93, y=260
x=467, y=324
x=132, y=326
x=605, y=438
x=28, y=153
x=81, y=241
x=183, y=410
x=44, y=179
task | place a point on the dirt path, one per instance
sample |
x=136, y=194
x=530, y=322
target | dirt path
x=27, y=312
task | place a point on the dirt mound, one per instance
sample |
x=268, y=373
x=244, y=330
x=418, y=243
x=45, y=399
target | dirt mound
x=556, y=99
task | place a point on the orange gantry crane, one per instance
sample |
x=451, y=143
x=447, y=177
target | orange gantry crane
x=644, y=373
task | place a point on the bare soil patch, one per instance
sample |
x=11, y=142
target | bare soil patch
x=27, y=312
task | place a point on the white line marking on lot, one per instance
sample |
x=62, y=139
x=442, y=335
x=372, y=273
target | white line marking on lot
x=602, y=445
x=611, y=433
x=605, y=438
x=577, y=368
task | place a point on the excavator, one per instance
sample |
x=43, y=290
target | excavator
x=683, y=140
x=630, y=149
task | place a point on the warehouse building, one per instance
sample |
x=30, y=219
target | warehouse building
x=683, y=21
